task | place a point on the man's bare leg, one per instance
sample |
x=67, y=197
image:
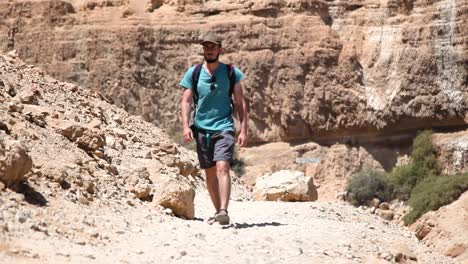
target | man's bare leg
x=212, y=185
x=224, y=184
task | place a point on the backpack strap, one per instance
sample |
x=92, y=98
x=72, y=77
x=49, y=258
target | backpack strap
x=195, y=78
x=232, y=82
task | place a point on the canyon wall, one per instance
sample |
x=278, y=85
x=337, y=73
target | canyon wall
x=315, y=69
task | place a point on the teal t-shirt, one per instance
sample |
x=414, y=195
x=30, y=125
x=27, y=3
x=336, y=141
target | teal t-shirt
x=214, y=111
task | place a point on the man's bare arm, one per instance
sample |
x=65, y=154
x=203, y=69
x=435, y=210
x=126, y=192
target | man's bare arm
x=242, y=111
x=186, y=110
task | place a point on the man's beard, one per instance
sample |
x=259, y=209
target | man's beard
x=211, y=60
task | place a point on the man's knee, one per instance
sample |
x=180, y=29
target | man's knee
x=223, y=167
x=211, y=172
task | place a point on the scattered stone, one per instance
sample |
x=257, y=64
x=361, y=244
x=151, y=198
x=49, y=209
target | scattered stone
x=83, y=200
x=386, y=214
x=15, y=161
x=15, y=107
x=167, y=211
x=178, y=196
x=384, y=206
x=30, y=97
x=374, y=203
x=455, y=250
x=402, y=253
x=81, y=242
x=285, y=186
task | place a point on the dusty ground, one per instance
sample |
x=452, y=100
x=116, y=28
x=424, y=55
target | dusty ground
x=261, y=232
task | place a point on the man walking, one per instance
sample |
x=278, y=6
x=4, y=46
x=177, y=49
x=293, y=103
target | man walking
x=211, y=86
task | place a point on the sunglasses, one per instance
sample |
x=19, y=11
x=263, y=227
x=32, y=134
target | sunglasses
x=213, y=81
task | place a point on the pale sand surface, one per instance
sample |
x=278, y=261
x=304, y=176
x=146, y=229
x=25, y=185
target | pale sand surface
x=261, y=232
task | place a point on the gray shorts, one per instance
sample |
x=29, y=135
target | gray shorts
x=214, y=147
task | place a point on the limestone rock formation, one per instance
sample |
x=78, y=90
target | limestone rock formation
x=452, y=151
x=316, y=69
x=285, y=186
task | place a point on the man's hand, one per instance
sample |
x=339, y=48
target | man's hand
x=242, y=139
x=188, y=134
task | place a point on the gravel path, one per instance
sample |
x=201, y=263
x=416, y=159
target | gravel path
x=261, y=232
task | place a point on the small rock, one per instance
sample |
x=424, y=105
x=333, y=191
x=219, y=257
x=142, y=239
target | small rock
x=90, y=188
x=15, y=107
x=112, y=169
x=167, y=211
x=374, y=202
x=22, y=217
x=4, y=227
x=387, y=256
x=384, y=206
x=386, y=214
x=402, y=253
x=83, y=200
x=455, y=250
x=99, y=154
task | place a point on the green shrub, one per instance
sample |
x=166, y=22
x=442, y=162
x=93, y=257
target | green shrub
x=238, y=164
x=178, y=136
x=423, y=164
x=433, y=193
x=367, y=184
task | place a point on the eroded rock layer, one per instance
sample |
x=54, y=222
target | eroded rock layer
x=316, y=69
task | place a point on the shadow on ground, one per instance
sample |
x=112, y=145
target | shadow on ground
x=30, y=194
x=246, y=225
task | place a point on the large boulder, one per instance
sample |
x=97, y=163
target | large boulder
x=284, y=185
x=178, y=195
x=15, y=162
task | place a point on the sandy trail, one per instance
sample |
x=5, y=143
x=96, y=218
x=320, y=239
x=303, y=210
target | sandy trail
x=261, y=232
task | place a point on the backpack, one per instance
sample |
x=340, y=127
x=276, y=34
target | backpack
x=196, y=77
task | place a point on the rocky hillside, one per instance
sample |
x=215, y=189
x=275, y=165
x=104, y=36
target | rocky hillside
x=316, y=69
x=69, y=142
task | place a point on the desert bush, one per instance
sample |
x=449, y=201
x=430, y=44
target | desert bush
x=178, y=136
x=423, y=164
x=368, y=184
x=434, y=192
x=238, y=164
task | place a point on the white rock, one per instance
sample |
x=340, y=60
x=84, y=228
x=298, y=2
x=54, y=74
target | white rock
x=285, y=185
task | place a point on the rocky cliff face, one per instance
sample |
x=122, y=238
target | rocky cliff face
x=316, y=69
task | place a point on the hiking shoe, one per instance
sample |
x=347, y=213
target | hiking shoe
x=211, y=220
x=222, y=217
